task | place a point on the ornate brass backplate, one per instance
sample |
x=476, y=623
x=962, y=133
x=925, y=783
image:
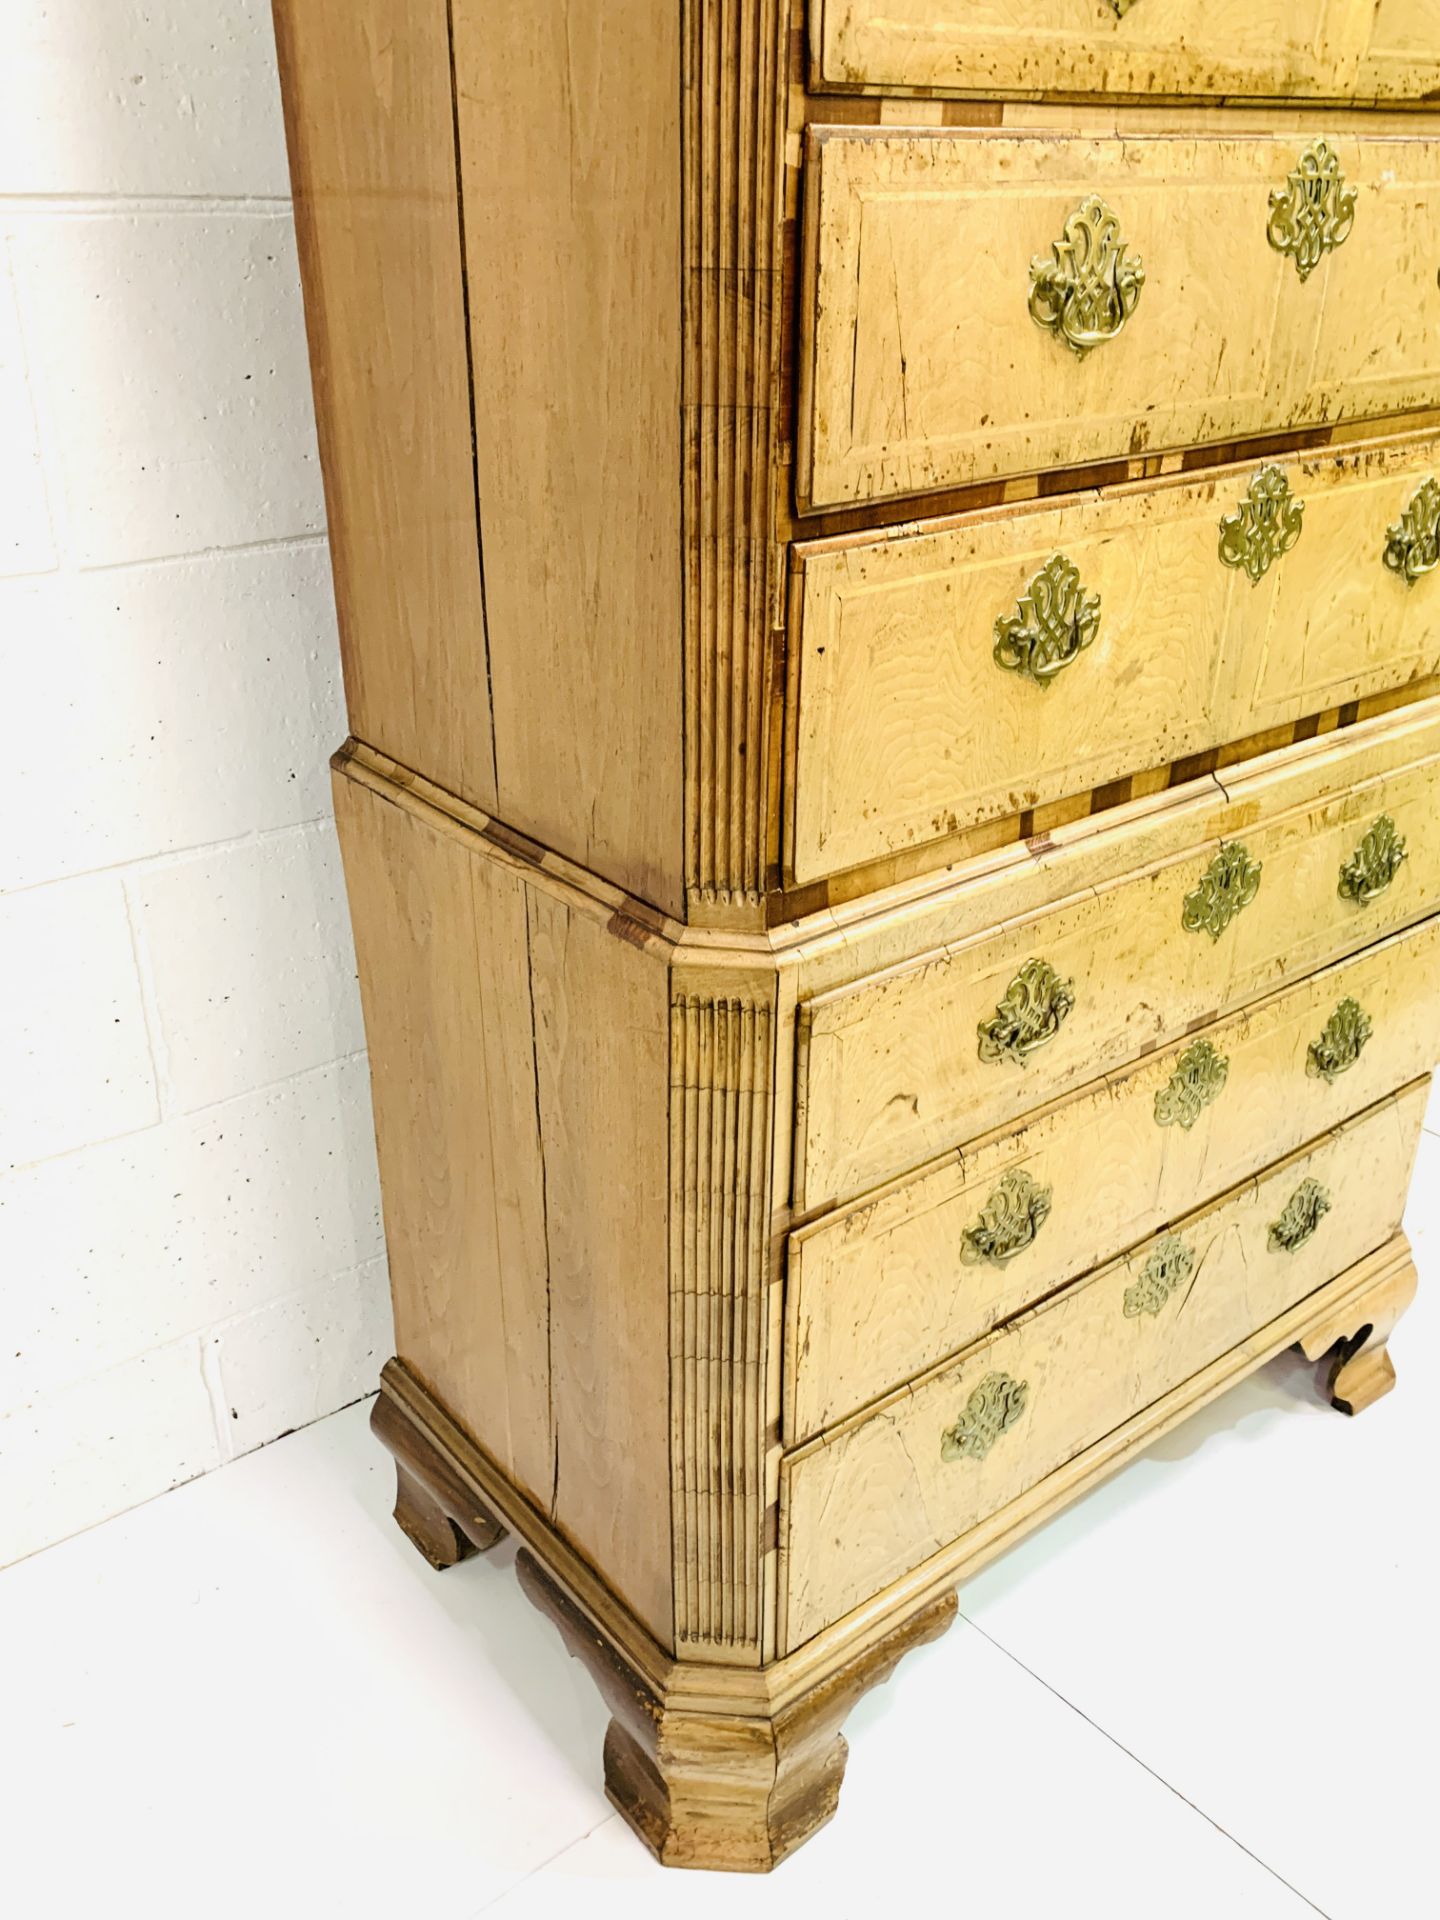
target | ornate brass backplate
x=1265, y=525
x=1304, y=1211
x=1054, y=619
x=1199, y=1077
x=1374, y=863
x=1009, y=1221
x=1228, y=885
x=992, y=1409
x=1037, y=1003
x=1412, y=544
x=1341, y=1044
x=1313, y=212
x=1170, y=1265
x=1089, y=287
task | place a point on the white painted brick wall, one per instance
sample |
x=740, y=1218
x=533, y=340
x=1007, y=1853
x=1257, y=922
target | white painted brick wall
x=190, y=1250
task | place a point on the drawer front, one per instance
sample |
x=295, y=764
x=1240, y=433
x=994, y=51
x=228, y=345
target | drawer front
x=933, y=257
x=896, y=1069
x=1278, y=49
x=882, y=1493
x=1000, y=661
x=888, y=1286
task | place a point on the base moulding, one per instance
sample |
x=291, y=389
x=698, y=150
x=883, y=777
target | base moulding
x=733, y=1767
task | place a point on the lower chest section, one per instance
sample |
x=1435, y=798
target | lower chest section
x=1078, y=1138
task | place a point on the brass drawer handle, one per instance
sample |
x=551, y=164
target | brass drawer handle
x=1009, y=1221
x=992, y=1409
x=1227, y=887
x=1264, y=527
x=1374, y=863
x=1412, y=544
x=1341, y=1044
x=1199, y=1078
x=1036, y=1005
x=1054, y=619
x=1304, y=1211
x=1090, y=285
x=1170, y=1265
x=1313, y=212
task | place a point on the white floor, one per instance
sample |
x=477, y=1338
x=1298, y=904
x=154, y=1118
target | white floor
x=1209, y=1689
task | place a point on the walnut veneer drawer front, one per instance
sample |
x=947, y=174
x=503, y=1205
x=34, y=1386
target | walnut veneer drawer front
x=1287, y=49
x=879, y=1495
x=889, y=1285
x=985, y=304
x=997, y=661
x=902, y=1066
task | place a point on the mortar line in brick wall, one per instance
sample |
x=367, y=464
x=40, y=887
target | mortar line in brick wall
x=150, y=1011
x=212, y=1107
x=212, y=1379
x=52, y=488
x=207, y=1335
x=182, y=1114
x=173, y=1486
x=17, y=1167
x=76, y=206
x=187, y=855
x=243, y=549
x=214, y=1330
x=167, y=1343
x=144, y=1500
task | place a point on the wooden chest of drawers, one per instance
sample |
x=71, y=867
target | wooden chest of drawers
x=884, y=561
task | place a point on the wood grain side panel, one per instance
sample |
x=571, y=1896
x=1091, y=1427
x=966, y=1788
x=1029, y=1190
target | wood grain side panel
x=923, y=368
x=876, y=1498
x=601, y=1054
x=569, y=122
x=879, y=1290
x=368, y=112
x=442, y=943
x=519, y=1055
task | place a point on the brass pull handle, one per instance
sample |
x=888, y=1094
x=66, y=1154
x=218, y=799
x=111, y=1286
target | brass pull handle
x=1313, y=212
x=1228, y=885
x=1054, y=619
x=1199, y=1078
x=1304, y=1211
x=1090, y=285
x=1170, y=1265
x=1374, y=863
x=1341, y=1043
x=1265, y=525
x=1009, y=1221
x=992, y=1409
x=1412, y=544
x=1036, y=1005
